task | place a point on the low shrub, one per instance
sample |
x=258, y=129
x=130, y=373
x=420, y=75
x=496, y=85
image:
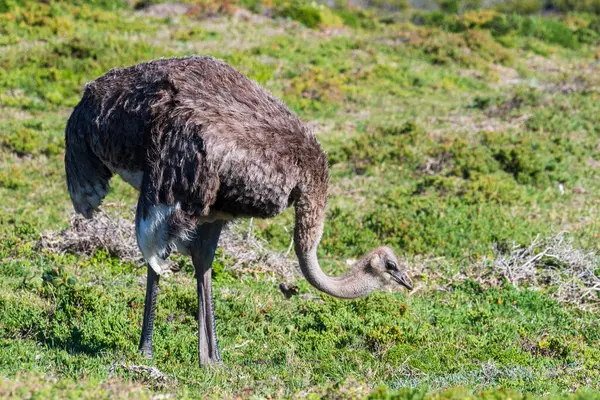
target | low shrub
x=312, y=15
x=550, y=31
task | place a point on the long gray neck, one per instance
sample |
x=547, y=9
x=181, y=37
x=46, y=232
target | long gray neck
x=351, y=285
x=310, y=218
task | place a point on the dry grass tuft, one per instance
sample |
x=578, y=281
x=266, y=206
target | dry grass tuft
x=117, y=237
x=554, y=263
x=86, y=236
x=251, y=255
x=435, y=165
x=150, y=375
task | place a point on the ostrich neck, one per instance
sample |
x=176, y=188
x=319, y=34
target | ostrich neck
x=351, y=285
x=310, y=218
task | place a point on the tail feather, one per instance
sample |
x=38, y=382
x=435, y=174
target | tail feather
x=87, y=176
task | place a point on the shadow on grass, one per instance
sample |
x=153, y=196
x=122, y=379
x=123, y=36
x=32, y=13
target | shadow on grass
x=76, y=343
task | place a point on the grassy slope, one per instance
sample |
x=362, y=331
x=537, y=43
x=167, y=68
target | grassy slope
x=440, y=143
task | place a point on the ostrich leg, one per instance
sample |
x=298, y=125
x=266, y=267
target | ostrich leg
x=203, y=253
x=149, y=311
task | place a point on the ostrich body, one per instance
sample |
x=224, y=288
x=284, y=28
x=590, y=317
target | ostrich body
x=203, y=144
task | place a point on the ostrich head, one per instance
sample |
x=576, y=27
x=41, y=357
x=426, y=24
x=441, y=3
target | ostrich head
x=376, y=270
x=382, y=265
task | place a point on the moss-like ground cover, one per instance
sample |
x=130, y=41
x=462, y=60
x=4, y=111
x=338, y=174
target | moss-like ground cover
x=447, y=135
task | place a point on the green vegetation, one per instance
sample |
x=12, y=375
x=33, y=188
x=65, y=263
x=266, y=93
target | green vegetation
x=451, y=137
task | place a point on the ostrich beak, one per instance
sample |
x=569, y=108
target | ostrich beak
x=402, y=278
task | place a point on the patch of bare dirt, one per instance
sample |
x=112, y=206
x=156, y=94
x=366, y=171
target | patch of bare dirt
x=560, y=77
x=471, y=73
x=165, y=10
x=545, y=66
x=506, y=75
x=201, y=11
x=595, y=164
x=472, y=124
x=578, y=84
x=504, y=109
x=12, y=114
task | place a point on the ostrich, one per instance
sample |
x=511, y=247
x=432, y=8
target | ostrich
x=203, y=144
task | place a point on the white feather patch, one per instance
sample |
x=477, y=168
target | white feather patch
x=152, y=235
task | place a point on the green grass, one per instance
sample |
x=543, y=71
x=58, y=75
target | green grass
x=447, y=134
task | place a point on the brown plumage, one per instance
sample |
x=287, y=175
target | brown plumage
x=203, y=144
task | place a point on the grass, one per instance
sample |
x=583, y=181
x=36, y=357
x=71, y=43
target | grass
x=449, y=136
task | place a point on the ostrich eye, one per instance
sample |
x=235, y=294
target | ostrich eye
x=391, y=265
